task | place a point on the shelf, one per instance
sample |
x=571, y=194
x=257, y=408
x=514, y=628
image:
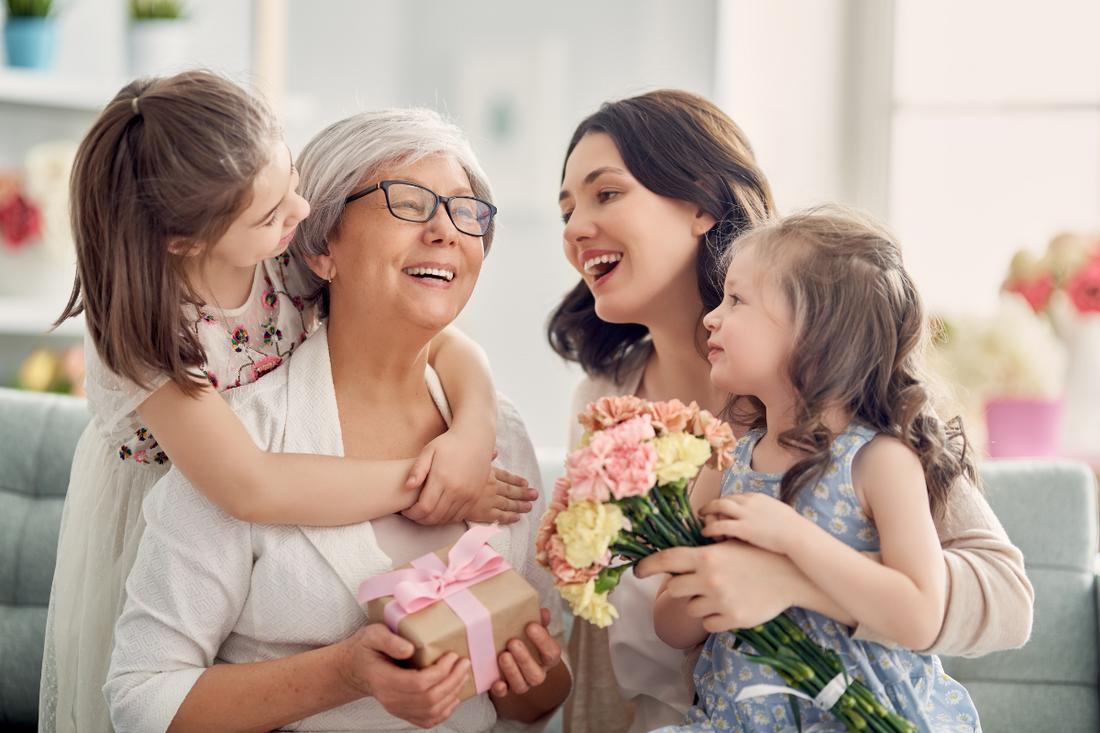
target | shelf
x=33, y=317
x=44, y=89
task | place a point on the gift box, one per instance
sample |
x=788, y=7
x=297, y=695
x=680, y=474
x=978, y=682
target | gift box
x=462, y=598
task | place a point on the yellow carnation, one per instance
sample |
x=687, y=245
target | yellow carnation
x=587, y=529
x=587, y=603
x=679, y=455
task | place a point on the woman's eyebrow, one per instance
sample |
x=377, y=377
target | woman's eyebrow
x=593, y=176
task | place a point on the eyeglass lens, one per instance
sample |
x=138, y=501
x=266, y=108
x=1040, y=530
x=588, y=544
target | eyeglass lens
x=413, y=203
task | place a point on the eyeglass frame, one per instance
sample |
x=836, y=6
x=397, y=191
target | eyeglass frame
x=446, y=201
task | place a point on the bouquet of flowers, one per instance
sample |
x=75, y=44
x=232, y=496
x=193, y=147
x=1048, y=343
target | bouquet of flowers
x=624, y=496
x=1070, y=265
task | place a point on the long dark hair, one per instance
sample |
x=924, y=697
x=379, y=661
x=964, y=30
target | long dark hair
x=169, y=161
x=861, y=335
x=681, y=146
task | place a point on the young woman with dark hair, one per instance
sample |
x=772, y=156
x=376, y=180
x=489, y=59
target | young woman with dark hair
x=654, y=188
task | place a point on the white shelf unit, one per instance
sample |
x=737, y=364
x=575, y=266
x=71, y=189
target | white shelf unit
x=43, y=89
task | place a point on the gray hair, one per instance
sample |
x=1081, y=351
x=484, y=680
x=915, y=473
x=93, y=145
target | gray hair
x=334, y=162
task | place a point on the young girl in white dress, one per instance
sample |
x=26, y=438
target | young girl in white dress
x=822, y=333
x=183, y=201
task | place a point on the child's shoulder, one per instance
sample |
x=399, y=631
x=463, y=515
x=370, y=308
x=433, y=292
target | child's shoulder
x=881, y=458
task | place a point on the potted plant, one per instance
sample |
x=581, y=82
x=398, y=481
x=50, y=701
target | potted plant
x=1009, y=374
x=30, y=33
x=159, y=37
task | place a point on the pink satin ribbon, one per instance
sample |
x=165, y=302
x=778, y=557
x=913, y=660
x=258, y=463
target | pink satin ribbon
x=469, y=562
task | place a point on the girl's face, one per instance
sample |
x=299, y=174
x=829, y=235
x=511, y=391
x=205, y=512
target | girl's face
x=421, y=273
x=634, y=248
x=266, y=226
x=751, y=332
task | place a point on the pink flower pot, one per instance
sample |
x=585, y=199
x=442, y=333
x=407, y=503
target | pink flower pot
x=1024, y=428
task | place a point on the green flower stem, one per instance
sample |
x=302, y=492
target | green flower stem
x=666, y=513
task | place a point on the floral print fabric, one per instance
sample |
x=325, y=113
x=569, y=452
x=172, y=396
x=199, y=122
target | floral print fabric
x=241, y=344
x=914, y=684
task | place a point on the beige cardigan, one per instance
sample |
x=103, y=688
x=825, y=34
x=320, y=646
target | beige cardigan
x=988, y=604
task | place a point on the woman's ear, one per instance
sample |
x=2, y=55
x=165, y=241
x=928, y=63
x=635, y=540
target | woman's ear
x=323, y=266
x=703, y=223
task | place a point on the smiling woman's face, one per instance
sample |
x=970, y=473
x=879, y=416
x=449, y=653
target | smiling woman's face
x=634, y=248
x=385, y=267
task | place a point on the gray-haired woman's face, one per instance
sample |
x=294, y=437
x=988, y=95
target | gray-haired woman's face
x=384, y=267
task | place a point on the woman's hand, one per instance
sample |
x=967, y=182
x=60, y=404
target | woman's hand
x=521, y=671
x=754, y=518
x=529, y=689
x=732, y=585
x=423, y=697
x=454, y=474
x=504, y=498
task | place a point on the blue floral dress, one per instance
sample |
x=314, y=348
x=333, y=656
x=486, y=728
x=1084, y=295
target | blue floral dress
x=914, y=684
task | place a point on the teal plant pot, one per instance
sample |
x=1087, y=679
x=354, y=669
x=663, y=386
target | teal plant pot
x=30, y=42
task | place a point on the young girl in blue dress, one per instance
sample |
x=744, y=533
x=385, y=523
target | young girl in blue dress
x=822, y=334
x=184, y=199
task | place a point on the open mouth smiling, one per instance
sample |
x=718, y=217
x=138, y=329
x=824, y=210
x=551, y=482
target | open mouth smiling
x=602, y=264
x=434, y=273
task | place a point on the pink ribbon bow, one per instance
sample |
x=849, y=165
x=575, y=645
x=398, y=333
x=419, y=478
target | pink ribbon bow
x=469, y=562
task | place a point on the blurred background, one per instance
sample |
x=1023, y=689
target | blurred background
x=971, y=126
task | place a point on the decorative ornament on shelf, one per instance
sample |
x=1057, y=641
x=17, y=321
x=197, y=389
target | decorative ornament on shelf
x=30, y=33
x=1009, y=376
x=20, y=219
x=159, y=37
x=1064, y=285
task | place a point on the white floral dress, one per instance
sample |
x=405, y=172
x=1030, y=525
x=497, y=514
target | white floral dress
x=915, y=685
x=117, y=461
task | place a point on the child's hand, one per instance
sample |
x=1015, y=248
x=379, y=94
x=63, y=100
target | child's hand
x=519, y=669
x=454, y=473
x=505, y=497
x=755, y=518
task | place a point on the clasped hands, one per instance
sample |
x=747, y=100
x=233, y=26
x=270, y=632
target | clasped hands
x=734, y=584
x=426, y=697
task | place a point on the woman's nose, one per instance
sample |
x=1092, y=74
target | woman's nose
x=440, y=228
x=579, y=228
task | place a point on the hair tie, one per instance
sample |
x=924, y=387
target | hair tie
x=134, y=105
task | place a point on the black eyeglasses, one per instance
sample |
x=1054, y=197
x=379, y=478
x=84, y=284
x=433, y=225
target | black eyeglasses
x=411, y=202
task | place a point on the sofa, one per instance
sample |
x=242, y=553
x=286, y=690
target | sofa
x=1048, y=508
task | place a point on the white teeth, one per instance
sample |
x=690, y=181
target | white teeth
x=602, y=259
x=420, y=271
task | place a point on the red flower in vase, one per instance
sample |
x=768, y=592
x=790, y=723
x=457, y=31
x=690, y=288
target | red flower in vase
x=1036, y=291
x=1083, y=288
x=20, y=222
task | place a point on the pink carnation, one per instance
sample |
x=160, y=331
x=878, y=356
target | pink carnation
x=608, y=411
x=720, y=436
x=566, y=574
x=672, y=416
x=548, y=527
x=616, y=462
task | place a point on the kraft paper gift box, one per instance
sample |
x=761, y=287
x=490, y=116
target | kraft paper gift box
x=427, y=600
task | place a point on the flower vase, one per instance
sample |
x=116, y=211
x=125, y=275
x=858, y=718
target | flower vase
x=158, y=45
x=1021, y=428
x=1080, y=332
x=30, y=41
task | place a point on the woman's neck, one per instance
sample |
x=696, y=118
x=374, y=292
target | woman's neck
x=676, y=370
x=386, y=410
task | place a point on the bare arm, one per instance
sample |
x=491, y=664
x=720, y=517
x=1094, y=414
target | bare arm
x=456, y=464
x=272, y=488
x=989, y=598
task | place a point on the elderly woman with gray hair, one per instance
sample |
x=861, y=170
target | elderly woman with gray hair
x=237, y=626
